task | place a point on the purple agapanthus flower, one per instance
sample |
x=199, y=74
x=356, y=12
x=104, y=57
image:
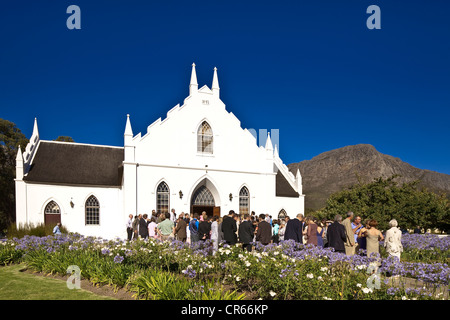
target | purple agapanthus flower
x=118, y=259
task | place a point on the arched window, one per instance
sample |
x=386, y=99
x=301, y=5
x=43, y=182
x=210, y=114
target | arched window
x=92, y=210
x=282, y=214
x=162, y=198
x=244, y=201
x=52, y=207
x=205, y=138
x=203, y=197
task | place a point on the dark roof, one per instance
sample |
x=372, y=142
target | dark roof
x=76, y=164
x=283, y=188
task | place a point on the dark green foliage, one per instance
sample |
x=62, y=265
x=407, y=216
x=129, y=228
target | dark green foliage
x=64, y=139
x=10, y=139
x=385, y=199
x=38, y=230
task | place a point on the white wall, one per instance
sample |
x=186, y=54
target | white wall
x=112, y=221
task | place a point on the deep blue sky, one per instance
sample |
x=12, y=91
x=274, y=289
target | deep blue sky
x=311, y=69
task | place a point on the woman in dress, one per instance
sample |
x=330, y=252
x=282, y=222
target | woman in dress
x=311, y=232
x=393, y=241
x=373, y=236
x=215, y=233
x=320, y=231
x=281, y=230
x=152, y=233
x=362, y=241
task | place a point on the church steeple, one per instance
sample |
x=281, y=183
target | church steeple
x=215, y=84
x=128, y=141
x=35, y=134
x=19, y=164
x=128, y=130
x=193, y=86
x=269, y=146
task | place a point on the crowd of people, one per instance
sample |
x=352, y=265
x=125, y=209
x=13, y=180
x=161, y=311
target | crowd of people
x=347, y=235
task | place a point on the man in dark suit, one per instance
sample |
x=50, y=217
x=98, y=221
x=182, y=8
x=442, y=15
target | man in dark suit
x=204, y=229
x=143, y=226
x=246, y=233
x=229, y=228
x=336, y=235
x=294, y=229
x=264, y=233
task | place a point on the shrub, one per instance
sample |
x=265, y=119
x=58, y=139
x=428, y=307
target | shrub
x=31, y=229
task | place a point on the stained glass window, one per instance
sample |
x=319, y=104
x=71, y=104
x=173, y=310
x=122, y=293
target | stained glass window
x=205, y=138
x=203, y=197
x=244, y=201
x=52, y=207
x=162, y=198
x=92, y=209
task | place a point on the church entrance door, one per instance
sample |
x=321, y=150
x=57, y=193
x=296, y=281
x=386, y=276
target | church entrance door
x=203, y=201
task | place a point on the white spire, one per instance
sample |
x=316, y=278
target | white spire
x=269, y=142
x=35, y=129
x=19, y=164
x=275, y=152
x=298, y=178
x=128, y=142
x=215, y=84
x=19, y=156
x=128, y=130
x=193, y=86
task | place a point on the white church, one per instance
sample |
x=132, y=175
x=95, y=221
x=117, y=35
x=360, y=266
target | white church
x=196, y=159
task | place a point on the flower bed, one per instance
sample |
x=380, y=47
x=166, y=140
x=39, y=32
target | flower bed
x=288, y=270
x=426, y=248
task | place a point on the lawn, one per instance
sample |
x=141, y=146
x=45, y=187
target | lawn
x=18, y=285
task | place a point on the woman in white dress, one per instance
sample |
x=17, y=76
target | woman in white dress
x=215, y=233
x=393, y=240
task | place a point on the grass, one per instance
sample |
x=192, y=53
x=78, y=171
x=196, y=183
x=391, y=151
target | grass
x=18, y=285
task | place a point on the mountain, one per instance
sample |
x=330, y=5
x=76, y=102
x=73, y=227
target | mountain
x=337, y=169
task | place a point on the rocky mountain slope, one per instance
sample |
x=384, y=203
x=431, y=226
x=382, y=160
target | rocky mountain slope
x=335, y=170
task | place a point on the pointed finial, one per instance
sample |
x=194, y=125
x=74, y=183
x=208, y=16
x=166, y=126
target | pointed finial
x=128, y=130
x=298, y=177
x=19, y=156
x=35, y=127
x=269, y=145
x=215, y=84
x=275, y=151
x=193, y=86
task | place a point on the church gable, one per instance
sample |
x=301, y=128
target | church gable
x=205, y=89
x=176, y=141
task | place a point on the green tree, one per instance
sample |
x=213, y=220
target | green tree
x=386, y=199
x=10, y=139
x=64, y=139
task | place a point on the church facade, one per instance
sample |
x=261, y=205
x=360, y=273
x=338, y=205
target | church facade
x=197, y=159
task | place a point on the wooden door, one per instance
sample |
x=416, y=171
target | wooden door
x=51, y=219
x=216, y=211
